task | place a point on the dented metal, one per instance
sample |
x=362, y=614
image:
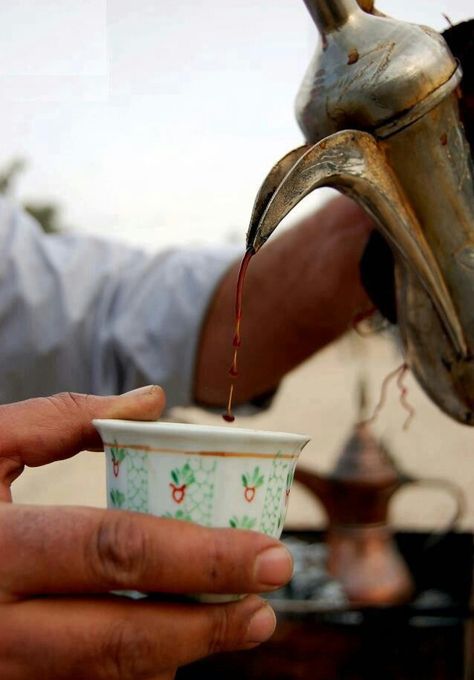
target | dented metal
x=380, y=112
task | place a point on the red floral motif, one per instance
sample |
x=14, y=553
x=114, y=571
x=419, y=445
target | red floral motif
x=178, y=493
x=289, y=482
x=182, y=478
x=251, y=482
x=117, y=456
x=249, y=493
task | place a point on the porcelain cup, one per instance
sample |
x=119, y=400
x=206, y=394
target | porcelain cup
x=214, y=476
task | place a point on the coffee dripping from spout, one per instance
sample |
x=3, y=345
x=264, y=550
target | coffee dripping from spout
x=379, y=107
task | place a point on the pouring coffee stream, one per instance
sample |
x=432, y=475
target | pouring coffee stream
x=234, y=369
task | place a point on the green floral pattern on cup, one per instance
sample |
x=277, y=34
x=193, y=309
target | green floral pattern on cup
x=273, y=514
x=199, y=499
x=137, y=481
x=192, y=486
x=117, y=498
x=244, y=522
x=179, y=514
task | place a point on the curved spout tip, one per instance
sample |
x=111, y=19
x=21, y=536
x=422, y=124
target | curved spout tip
x=255, y=238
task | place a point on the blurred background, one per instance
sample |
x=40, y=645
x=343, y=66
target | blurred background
x=155, y=122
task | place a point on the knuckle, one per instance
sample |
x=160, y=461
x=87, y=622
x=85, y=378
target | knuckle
x=219, y=564
x=8, y=545
x=220, y=631
x=71, y=404
x=8, y=644
x=67, y=400
x=118, y=550
x=77, y=410
x=5, y=580
x=4, y=528
x=128, y=653
x=74, y=397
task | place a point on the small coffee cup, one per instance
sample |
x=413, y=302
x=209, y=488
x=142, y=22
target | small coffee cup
x=214, y=476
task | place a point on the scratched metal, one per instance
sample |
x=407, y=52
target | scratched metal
x=398, y=66
x=414, y=174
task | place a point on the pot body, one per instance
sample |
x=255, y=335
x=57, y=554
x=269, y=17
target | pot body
x=367, y=563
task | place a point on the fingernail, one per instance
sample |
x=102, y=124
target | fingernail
x=262, y=625
x=147, y=389
x=274, y=566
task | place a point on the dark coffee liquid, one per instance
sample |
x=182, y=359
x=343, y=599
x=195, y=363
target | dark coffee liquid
x=234, y=371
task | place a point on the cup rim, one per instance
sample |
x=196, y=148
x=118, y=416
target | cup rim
x=211, y=432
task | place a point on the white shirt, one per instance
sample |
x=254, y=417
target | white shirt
x=83, y=314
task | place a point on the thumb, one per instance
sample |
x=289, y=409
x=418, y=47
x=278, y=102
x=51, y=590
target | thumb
x=39, y=431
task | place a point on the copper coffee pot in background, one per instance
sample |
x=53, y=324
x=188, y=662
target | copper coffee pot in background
x=379, y=107
x=363, y=555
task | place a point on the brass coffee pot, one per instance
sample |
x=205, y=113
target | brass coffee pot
x=362, y=553
x=379, y=107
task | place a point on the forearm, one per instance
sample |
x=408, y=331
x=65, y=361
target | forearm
x=301, y=292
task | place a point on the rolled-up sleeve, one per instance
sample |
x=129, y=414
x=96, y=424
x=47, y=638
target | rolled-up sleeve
x=89, y=315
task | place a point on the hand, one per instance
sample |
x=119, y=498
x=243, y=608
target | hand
x=58, y=564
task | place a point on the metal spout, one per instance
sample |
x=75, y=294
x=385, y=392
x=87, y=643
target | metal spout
x=352, y=162
x=379, y=109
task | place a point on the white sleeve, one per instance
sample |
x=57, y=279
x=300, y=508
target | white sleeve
x=87, y=315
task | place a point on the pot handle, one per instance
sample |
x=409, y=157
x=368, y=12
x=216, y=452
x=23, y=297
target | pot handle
x=455, y=491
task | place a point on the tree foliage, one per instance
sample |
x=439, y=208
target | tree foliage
x=47, y=214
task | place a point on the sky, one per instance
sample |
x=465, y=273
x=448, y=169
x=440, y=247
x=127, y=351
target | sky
x=155, y=121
